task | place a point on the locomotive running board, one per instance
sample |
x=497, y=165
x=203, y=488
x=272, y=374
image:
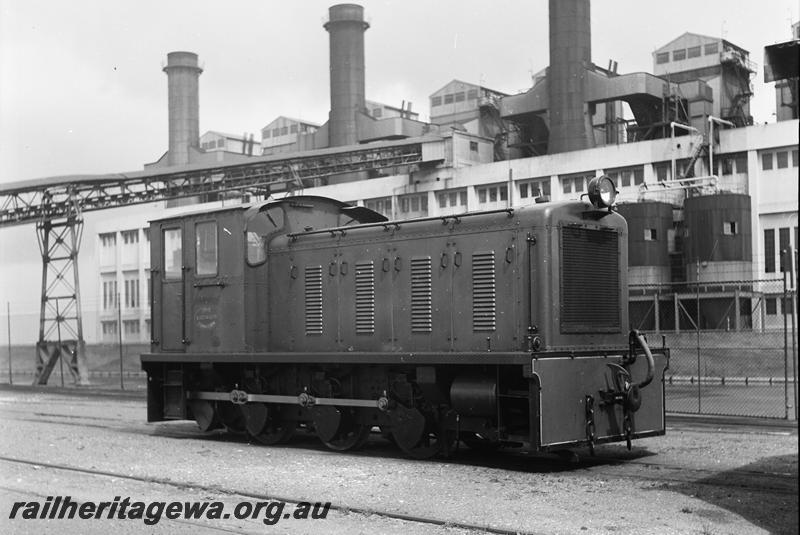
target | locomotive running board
x=240, y=397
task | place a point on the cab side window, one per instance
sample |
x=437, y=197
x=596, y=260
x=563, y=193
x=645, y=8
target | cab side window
x=173, y=253
x=206, y=248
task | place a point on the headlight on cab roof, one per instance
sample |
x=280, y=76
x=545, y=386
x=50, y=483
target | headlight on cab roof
x=602, y=192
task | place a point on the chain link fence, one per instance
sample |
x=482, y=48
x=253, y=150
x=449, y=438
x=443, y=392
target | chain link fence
x=733, y=345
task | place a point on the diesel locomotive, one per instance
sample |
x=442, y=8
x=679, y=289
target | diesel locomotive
x=504, y=327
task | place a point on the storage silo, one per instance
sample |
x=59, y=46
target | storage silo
x=649, y=223
x=717, y=238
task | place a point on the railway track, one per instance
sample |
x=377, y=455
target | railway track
x=235, y=493
x=606, y=465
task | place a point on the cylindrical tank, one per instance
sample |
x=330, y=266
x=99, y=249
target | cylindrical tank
x=184, y=105
x=570, y=56
x=346, y=27
x=717, y=237
x=649, y=225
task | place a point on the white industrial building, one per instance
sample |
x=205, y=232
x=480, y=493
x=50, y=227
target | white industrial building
x=481, y=169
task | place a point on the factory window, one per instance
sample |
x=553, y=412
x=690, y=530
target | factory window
x=132, y=290
x=794, y=158
x=621, y=178
x=146, y=232
x=206, y=248
x=109, y=327
x=108, y=239
x=109, y=294
x=729, y=228
x=726, y=162
x=678, y=55
x=783, y=245
x=766, y=161
x=448, y=99
x=535, y=188
x=436, y=101
x=694, y=51
x=266, y=134
x=293, y=129
x=452, y=199
x=131, y=326
x=472, y=94
x=626, y=177
x=414, y=203
x=221, y=143
x=377, y=113
x=782, y=158
x=460, y=96
x=130, y=236
x=662, y=57
x=276, y=132
x=382, y=206
x=711, y=48
x=473, y=146
x=575, y=183
x=662, y=171
x=771, y=304
x=650, y=234
x=741, y=162
x=492, y=193
x=284, y=130
x=769, y=250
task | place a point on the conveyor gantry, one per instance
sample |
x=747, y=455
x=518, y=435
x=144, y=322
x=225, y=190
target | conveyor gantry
x=56, y=206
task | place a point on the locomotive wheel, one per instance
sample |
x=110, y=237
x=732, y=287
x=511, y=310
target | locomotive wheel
x=420, y=437
x=266, y=428
x=204, y=414
x=339, y=429
x=231, y=417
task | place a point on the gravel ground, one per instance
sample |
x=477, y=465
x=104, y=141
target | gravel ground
x=698, y=479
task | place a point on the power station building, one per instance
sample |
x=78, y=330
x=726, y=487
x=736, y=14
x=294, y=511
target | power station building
x=709, y=196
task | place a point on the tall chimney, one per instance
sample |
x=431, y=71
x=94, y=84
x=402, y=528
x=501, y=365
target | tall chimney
x=346, y=27
x=184, y=105
x=570, y=57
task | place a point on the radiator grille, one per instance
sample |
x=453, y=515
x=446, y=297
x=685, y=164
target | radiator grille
x=365, y=298
x=421, y=319
x=590, y=285
x=484, y=292
x=313, y=294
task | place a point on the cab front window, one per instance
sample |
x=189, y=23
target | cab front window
x=259, y=228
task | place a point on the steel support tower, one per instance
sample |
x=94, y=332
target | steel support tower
x=60, y=323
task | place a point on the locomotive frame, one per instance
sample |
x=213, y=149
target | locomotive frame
x=505, y=327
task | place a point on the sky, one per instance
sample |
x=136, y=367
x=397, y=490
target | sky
x=82, y=91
